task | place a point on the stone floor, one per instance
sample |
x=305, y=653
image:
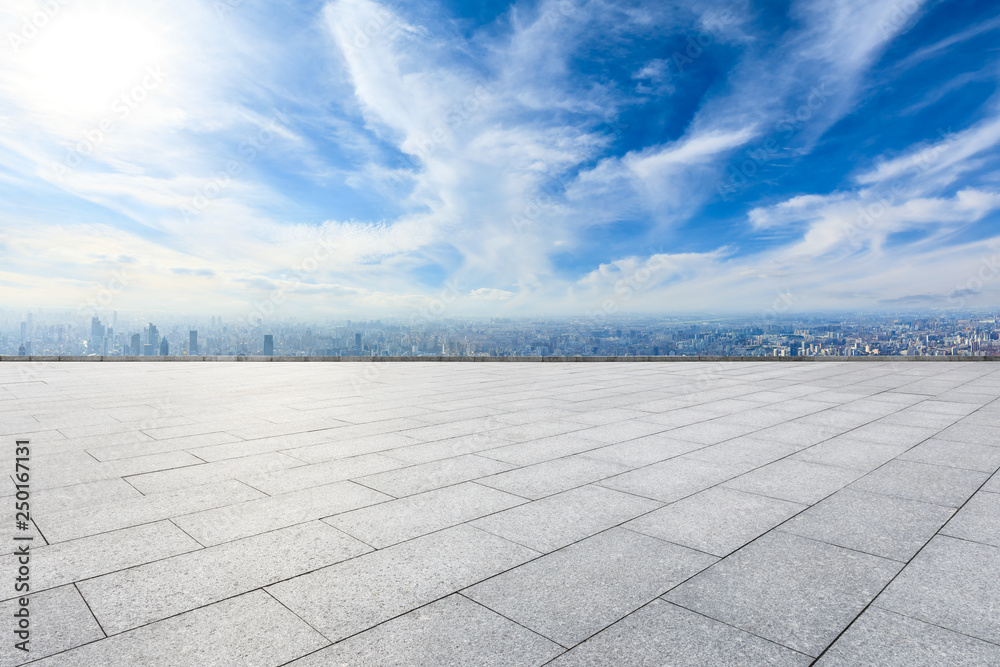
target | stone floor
x=507, y=514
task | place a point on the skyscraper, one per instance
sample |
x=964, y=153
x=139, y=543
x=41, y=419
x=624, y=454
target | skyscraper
x=268, y=345
x=96, y=329
x=357, y=340
x=135, y=347
x=152, y=338
x=192, y=342
x=164, y=348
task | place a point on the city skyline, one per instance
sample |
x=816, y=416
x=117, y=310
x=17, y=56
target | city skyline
x=355, y=158
x=772, y=335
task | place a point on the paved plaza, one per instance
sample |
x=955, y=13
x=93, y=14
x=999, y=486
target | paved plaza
x=463, y=514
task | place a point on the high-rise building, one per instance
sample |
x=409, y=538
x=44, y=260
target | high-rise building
x=96, y=329
x=135, y=347
x=192, y=342
x=24, y=331
x=357, y=340
x=164, y=348
x=268, y=345
x=152, y=338
x=147, y=350
x=22, y=351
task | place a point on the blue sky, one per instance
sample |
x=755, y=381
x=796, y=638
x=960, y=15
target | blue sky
x=357, y=158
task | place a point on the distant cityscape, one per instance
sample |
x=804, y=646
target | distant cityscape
x=40, y=334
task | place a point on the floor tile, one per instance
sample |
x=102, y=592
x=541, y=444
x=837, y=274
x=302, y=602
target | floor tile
x=664, y=634
x=453, y=632
x=717, y=521
x=577, y=591
x=796, y=592
x=950, y=583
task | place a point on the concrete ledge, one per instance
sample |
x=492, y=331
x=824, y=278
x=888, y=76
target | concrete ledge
x=494, y=359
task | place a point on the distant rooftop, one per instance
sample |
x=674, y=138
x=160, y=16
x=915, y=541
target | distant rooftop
x=704, y=513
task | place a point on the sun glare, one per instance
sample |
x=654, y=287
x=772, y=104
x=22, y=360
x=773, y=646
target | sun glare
x=85, y=61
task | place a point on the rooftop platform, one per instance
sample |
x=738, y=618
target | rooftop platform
x=639, y=514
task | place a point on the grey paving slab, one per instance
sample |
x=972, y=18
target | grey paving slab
x=747, y=450
x=873, y=523
x=241, y=448
x=557, y=520
x=993, y=484
x=717, y=520
x=921, y=481
x=797, y=592
x=436, y=450
x=978, y=520
x=544, y=449
x=845, y=452
x=139, y=595
x=643, y=451
x=674, y=478
x=577, y=591
x=207, y=473
x=951, y=583
x=892, y=434
x=58, y=621
x=252, y=629
x=340, y=449
x=881, y=638
x=918, y=416
x=795, y=481
x=662, y=633
x=544, y=479
x=51, y=477
x=956, y=455
x=95, y=519
x=453, y=632
x=976, y=434
x=350, y=597
x=223, y=524
x=63, y=498
x=710, y=432
x=609, y=434
x=403, y=519
x=317, y=474
x=434, y=475
x=132, y=450
x=67, y=562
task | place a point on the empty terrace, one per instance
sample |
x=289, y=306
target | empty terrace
x=506, y=514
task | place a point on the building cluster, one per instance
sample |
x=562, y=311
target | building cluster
x=819, y=335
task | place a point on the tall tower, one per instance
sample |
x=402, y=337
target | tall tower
x=193, y=342
x=268, y=345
